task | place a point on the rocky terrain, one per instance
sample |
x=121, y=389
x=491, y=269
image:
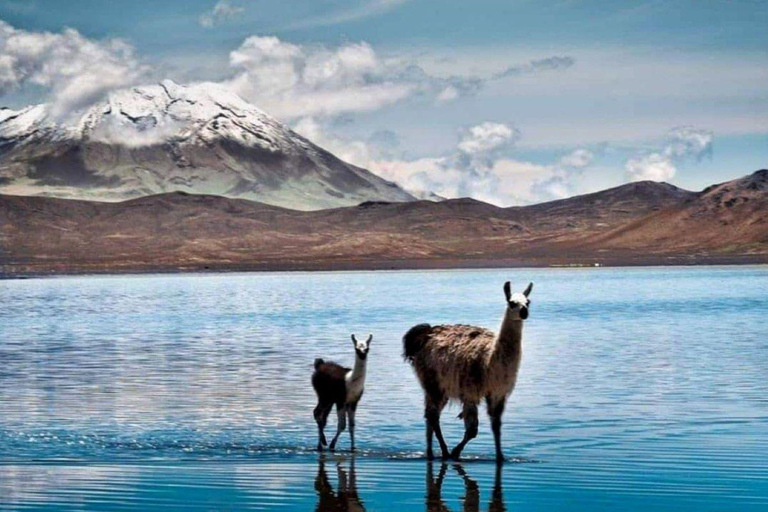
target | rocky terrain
x=638, y=223
x=162, y=138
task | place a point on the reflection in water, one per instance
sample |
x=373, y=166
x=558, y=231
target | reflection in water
x=471, y=500
x=346, y=497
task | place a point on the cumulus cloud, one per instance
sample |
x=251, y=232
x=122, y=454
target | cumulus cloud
x=295, y=81
x=292, y=81
x=221, y=12
x=561, y=180
x=74, y=69
x=356, y=152
x=467, y=172
x=470, y=171
x=577, y=159
x=487, y=138
x=681, y=143
x=482, y=165
x=507, y=181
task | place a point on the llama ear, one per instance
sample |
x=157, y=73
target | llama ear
x=368, y=341
x=507, y=290
x=528, y=290
x=354, y=340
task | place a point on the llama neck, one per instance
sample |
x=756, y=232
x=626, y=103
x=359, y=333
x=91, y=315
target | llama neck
x=510, y=333
x=358, y=371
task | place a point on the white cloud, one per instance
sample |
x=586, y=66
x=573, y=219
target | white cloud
x=356, y=152
x=481, y=166
x=487, y=137
x=292, y=81
x=506, y=182
x=74, y=69
x=687, y=141
x=681, y=143
x=115, y=129
x=578, y=158
x=654, y=167
x=295, y=81
x=222, y=11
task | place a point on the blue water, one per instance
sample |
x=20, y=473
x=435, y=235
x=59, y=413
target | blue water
x=640, y=389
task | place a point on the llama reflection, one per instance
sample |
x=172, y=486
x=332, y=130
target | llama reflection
x=345, y=498
x=471, y=501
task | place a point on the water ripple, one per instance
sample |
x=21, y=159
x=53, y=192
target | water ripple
x=640, y=388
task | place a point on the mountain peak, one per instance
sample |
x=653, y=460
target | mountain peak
x=165, y=137
x=739, y=191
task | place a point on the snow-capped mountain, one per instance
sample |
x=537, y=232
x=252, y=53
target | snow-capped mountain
x=166, y=137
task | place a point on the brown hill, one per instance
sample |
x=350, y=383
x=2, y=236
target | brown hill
x=729, y=218
x=639, y=223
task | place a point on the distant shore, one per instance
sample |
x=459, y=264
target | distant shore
x=30, y=270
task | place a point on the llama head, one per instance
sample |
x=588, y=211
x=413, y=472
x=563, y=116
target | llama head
x=361, y=347
x=518, y=303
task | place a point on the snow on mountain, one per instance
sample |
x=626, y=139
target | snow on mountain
x=199, y=138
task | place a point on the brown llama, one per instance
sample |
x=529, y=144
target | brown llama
x=468, y=364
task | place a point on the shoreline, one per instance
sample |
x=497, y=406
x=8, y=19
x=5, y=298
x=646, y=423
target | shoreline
x=31, y=271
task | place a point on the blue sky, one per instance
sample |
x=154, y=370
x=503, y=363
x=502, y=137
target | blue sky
x=508, y=101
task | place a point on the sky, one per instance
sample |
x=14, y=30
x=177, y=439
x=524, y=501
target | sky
x=511, y=102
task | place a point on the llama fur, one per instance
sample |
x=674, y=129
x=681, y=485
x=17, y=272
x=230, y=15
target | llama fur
x=468, y=364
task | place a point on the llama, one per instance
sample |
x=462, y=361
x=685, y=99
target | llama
x=468, y=364
x=340, y=386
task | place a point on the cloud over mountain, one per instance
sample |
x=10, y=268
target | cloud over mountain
x=76, y=71
x=681, y=143
x=293, y=81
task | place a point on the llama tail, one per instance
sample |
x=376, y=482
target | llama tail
x=413, y=340
x=318, y=362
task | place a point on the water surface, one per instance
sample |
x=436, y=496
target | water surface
x=640, y=388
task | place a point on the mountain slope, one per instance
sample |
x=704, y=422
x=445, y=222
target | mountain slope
x=634, y=224
x=720, y=219
x=166, y=137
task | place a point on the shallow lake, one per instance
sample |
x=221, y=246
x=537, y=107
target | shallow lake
x=640, y=389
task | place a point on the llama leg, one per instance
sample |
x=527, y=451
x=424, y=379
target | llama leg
x=321, y=416
x=495, y=410
x=432, y=413
x=470, y=429
x=326, y=413
x=351, y=409
x=341, y=413
x=430, y=434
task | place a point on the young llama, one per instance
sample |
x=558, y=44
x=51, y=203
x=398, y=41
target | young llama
x=468, y=364
x=342, y=387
